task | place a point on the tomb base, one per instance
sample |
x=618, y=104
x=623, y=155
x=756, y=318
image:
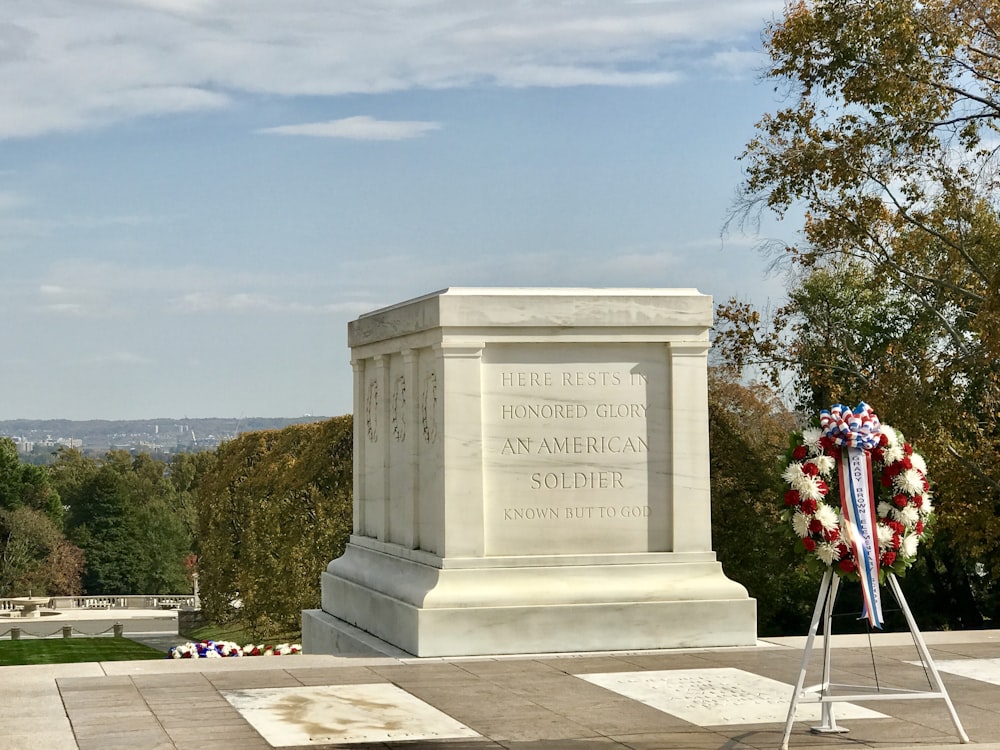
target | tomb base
x=427, y=606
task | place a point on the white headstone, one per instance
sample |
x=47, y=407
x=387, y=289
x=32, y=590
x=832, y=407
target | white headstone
x=530, y=476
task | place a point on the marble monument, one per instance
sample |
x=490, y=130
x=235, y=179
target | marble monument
x=531, y=476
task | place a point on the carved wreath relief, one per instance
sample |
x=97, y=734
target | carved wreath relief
x=428, y=407
x=398, y=409
x=371, y=411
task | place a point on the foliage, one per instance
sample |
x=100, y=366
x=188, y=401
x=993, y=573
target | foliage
x=24, y=485
x=127, y=515
x=748, y=429
x=887, y=144
x=72, y=650
x=35, y=557
x=272, y=512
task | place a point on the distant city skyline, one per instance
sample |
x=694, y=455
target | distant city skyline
x=196, y=196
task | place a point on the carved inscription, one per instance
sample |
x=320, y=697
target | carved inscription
x=573, y=448
x=571, y=429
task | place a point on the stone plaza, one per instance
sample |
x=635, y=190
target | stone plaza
x=688, y=699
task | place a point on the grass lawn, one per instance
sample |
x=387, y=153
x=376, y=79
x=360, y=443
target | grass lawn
x=64, y=650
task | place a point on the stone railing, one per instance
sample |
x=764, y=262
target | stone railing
x=131, y=601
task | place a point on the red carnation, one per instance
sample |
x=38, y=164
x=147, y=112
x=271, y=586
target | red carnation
x=919, y=527
x=822, y=486
x=900, y=500
x=810, y=469
x=815, y=526
x=842, y=550
x=918, y=500
x=886, y=480
x=808, y=505
x=809, y=544
x=792, y=497
x=907, y=449
x=800, y=452
x=897, y=541
x=927, y=485
x=827, y=444
x=883, y=440
x=896, y=526
x=846, y=565
x=905, y=463
x=831, y=535
x=878, y=455
x=888, y=558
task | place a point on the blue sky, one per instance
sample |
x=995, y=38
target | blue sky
x=197, y=195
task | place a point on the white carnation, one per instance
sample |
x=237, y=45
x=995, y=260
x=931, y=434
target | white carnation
x=909, y=516
x=810, y=439
x=808, y=487
x=827, y=553
x=884, y=534
x=893, y=453
x=827, y=516
x=910, y=481
x=825, y=464
x=800, y=523
x=792, y=473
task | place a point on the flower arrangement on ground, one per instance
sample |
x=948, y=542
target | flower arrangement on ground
x=814, y=473
x=223, y=649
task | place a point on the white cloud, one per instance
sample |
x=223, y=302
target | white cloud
x=243, y=302
x=361, y=128
x=739, y=62
x=119, y=358
x=10, y=200
x=67, y=65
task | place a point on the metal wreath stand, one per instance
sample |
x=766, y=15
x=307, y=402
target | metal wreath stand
x=860, y=693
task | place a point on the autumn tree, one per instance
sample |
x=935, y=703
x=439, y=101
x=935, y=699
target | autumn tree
x=748, y=427
x=35, y=556
x=887, y=146
x=273, y=510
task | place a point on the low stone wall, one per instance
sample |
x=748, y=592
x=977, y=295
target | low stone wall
x=190, y=619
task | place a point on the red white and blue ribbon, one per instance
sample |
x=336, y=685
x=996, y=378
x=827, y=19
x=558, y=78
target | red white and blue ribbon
x=857, y=432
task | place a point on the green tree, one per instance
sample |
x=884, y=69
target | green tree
x=24, y=485
x=885, y=146
x=126, y=516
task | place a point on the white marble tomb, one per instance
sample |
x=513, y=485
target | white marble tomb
x=531, y=476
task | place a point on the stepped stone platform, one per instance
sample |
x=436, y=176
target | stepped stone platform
x=694, y=699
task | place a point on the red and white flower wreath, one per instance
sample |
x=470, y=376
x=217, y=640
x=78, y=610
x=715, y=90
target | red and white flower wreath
x=903, y=506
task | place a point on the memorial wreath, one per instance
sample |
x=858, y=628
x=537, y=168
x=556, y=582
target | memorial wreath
x=819, y=470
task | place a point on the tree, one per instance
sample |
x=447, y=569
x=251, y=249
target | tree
x=124, y=514
x=273, y=511
x=748, y=428
x=35, y=556
x=24, y=485
x=885, y=144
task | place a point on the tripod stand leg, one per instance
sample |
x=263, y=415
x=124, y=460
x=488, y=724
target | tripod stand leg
x=925, y=655
x=821, y=605
x=829, y=723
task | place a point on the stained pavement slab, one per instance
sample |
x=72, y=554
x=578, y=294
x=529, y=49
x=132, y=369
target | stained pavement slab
x=518, y=703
